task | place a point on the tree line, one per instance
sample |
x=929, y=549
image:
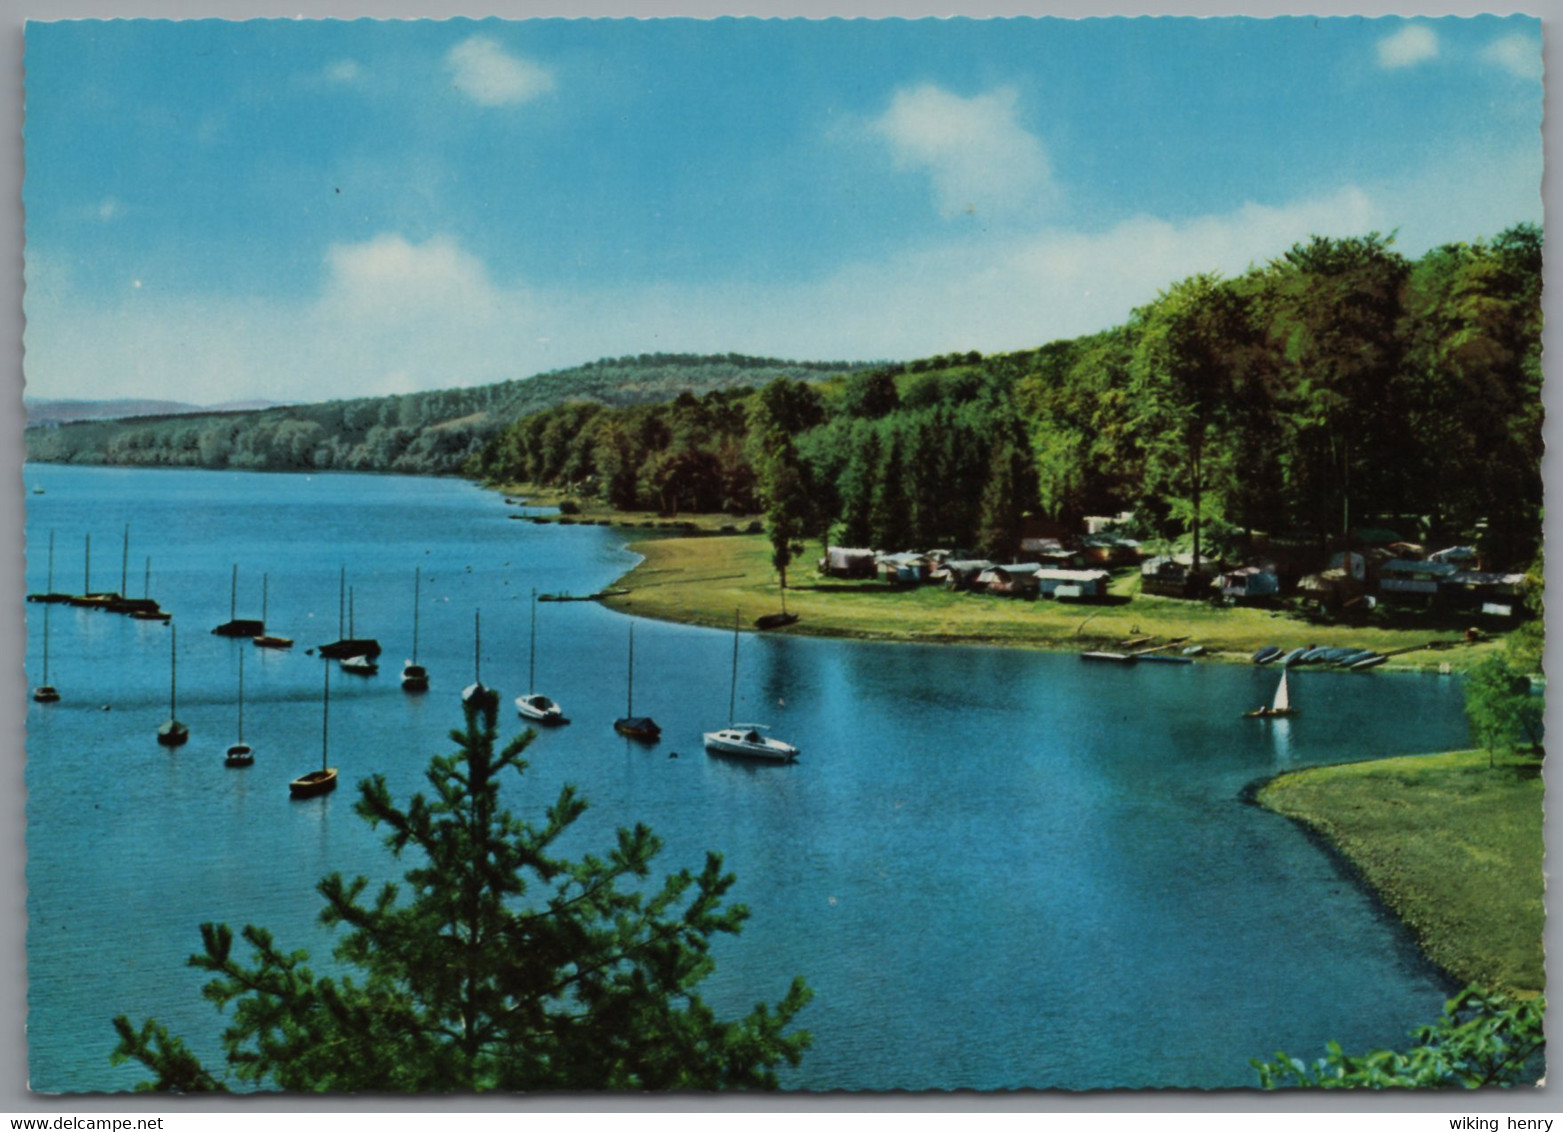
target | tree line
x=1338, y=386
x=433, y=433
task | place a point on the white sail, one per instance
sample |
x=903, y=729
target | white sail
x=1282, y=700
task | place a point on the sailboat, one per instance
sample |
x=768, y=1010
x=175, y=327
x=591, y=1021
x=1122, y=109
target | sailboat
x=415, y=677
x=534, y=705
x=360, y=663
x=475, y=693
x=147, y=609
x=321, y=781
x=746, y=740
x=237, y=626
x=266, y=640
x=347, y=646
x=241, y=753
x=636, y=726
x=173, y=733
x=46, y=693
x=1281, y=706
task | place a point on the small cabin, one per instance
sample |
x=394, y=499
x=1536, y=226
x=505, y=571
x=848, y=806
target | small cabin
x=961, y=573
x=1495, y=594
x=903, y=569
x=1175, y=576
x=1249, y=583
x=1018, y=579
x=1072, y=585
x=847, y=562
x=1404, y=578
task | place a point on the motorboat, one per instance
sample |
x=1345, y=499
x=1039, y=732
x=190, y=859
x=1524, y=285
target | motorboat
x=748, y=740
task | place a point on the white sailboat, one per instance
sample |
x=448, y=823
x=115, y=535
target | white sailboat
x=534, y=705
x=745, y=740
x=321, y=781
x=1280, y=706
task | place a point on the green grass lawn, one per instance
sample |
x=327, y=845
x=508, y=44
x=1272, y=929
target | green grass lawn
x=1452, y=846
x=703, y=580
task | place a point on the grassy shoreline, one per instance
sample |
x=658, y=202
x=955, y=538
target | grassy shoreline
x=703, y=580
x=1452, y=846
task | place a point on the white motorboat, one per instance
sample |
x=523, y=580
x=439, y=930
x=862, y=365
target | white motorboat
x=748, y=740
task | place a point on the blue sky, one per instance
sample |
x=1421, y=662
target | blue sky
x=312, y=209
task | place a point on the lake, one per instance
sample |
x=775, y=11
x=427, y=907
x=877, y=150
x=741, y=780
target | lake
x=995, y=868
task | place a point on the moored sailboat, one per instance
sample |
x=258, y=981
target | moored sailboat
x=475, y=693
x=745, y=740
x=269, y=640
x=240, y=753
x=641, y=727
x=534, y=705
x=46, y=693
x=347, y=646
x=173, y=733
x=415, y=677
x=321, y=781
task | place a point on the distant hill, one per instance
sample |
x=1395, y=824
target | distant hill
x=423, y=433
x=44, y=410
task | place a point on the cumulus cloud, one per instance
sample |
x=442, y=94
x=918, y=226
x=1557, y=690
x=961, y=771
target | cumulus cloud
x=973, y=150
x=1409, y=46
x=485, y=73
x=1518, y=54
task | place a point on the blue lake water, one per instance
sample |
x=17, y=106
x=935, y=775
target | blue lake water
x=996, y=869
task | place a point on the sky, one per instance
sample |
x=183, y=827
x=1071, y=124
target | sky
x=299, y=210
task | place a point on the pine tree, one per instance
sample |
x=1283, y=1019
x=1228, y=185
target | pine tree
x=498, y=965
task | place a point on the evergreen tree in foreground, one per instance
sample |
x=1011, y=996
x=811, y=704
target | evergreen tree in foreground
x=496, y=966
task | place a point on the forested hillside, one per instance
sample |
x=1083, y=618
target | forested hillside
x=433, y=432
x=1339, y=385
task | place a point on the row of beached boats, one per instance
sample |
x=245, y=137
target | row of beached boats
x=1356, y=659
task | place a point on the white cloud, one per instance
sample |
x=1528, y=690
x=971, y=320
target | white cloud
x=344, y=71
x=393, y=314
x=482, y=71
x=1519, y=54
x=976, y=154
x=1407, y=47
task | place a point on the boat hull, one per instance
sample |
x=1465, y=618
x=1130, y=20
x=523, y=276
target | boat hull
x=46, y=694
x=764, y=750
x=546, y=712
x=342, y=650
x=638, y=727
x=314, y=783
x=173, y=734
x=240, y=754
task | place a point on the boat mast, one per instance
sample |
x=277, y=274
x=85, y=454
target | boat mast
x=477, y=647
x=46, y=644
x=351, y=632
x=51, y=562
x=241, y=697
x=86, y=575
x=173, y=671
x=124, y=562
x=264, y=579
x=341, y=601
x=233, y=594
x=417, y=578
x=629, y=707
x=732, y=696
x=146, y=579
x=325, y=718
x=531, y=673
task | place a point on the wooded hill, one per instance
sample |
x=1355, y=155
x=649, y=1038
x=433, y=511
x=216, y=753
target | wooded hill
x=1339, y=386
x=427, y=433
